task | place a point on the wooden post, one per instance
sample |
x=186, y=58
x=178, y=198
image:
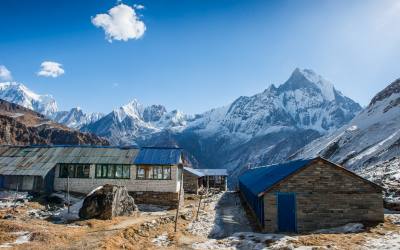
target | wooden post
x=179, y=200
x=16, y=193
x=198, y=209
x=208, y=182
x=68, y=205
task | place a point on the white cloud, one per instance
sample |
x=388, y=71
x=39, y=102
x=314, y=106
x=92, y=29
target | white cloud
x=5, y=74
x=121, y=23
x=138, y=6
x=51, y=69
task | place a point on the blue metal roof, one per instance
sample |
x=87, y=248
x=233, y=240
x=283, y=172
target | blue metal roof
x=213, y=172
x=194, y=171
x=158, y=156
x=259, y=179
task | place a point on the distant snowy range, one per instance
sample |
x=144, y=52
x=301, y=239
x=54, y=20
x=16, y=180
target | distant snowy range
x=303, y=117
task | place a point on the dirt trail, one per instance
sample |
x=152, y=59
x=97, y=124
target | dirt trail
x=232, y=215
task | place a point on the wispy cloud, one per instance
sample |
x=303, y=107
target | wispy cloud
x=51, y=69
x=121, y=23
x=138, y=6
x=5, y=74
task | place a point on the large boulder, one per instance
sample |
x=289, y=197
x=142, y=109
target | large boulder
x=106, y=202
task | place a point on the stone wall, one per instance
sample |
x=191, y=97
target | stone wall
x=190, y=182
x=85, y=185
x=159, y=198
x=326, y=197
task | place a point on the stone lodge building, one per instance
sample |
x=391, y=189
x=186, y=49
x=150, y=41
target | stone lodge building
x=306, y=195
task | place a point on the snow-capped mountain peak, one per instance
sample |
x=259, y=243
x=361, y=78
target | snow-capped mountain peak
x=308, y=79
x=75, y=118
x=132, y=109
x=19, y=94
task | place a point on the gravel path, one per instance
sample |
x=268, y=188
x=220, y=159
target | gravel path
x=231, y=216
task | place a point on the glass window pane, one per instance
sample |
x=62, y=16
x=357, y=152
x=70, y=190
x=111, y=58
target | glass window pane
x=140, y=173
x=86, y=171
x=71, y=171
x=166, y=172
x=98, y=171
x=159, y=173
x=118, y=171
x=79, y=171
x=104, y=171
x=127, y=171
x=111, y=171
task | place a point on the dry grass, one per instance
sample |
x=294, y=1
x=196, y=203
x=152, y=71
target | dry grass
x=347, y=241
x=118, y=234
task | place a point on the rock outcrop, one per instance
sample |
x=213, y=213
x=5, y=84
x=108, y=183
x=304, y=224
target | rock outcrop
x=106, y=202
x=22, y=126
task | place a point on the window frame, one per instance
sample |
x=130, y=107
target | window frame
x=74, y=167
x=152, y=172
x=106, y=168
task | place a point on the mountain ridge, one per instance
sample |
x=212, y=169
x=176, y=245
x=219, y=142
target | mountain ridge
x=370, y=143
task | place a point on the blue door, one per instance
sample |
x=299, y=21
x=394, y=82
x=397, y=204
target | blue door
x=286, y=212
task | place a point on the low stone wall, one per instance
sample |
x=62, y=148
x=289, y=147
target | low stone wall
x=157, y=198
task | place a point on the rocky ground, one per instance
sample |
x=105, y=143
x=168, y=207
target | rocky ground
x=221, y=224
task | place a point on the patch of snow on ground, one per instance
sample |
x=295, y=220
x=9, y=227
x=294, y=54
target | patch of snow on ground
x=248, y=240
x=162, y=240
x=73, y=214
x=12, y=198
x=206, y=224
x=348, y=228
x=23, y=237
x=390, y=240
x=151, y=209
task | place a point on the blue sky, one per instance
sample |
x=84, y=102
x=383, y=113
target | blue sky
x=196, y=55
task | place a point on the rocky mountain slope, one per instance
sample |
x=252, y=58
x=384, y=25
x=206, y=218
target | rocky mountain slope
x=264, y=128
x=370, y=143
x=22, y=126
x=132, y=121
x=45, y=104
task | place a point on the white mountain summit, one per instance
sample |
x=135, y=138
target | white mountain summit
x=19, y=94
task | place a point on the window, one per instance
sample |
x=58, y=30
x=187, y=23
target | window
x=141, y=173
x=153, y=173
x=74, y=170
x=167, y=173
x=157, y=173
x=126, y=173
x=113, y=171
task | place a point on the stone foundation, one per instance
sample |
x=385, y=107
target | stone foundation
x=157, y=198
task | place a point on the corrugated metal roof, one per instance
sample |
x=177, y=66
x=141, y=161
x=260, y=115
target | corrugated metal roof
x=38, y=160
x=159, y=156
x=213, y=172
x=194, y=171
x=259, y=179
